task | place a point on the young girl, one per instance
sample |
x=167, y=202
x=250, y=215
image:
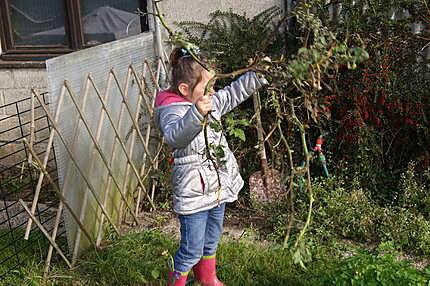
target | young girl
x=197, y=198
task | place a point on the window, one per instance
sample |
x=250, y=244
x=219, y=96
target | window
x=37, y=30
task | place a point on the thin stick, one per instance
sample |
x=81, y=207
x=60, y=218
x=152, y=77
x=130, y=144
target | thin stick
x=45, y=161
x=54, y=236
x=290, y=185
x=307, y=159
x=145, y=175
x=141, y=90
x=45, y=233
x=81, y=172
x=148, y=132
x=133, y=132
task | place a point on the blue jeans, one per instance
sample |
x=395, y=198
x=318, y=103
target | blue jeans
x=200, y=233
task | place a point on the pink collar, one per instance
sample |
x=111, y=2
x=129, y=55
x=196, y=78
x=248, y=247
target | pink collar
x=166, y=97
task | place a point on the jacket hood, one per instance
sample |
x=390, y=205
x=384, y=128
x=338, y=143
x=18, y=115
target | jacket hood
x=167, y=97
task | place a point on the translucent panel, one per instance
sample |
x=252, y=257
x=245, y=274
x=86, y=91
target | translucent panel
x=38, y=22
x=75, y=67
x=109, y=20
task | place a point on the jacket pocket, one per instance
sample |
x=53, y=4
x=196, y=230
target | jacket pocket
x=187, y=180
x=210, y=177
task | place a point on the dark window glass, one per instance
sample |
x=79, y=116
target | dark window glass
x=32, y=31
x=109, y=20
x=38, y=22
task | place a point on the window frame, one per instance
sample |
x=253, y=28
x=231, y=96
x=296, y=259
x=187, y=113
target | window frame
x=35, y=56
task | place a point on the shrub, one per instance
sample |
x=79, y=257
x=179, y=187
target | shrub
x=343, y=210
x=408, y=230
x=415, y=190
x=368, y=268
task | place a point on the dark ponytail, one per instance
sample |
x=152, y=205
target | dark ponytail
x=184, y=69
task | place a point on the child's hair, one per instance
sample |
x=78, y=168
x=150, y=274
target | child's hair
x=184, y=69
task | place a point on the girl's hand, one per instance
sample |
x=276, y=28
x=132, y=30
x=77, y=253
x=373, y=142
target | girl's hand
x=204, y=104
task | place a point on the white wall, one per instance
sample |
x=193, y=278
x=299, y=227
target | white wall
x=199, y=10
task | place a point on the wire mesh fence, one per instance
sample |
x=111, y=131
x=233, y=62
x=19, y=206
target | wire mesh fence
x=18, y=180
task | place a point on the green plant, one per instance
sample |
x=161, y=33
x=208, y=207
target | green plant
x=142, y=258
x=230, y=40
x=342, y=210
x=415, y=190
x=367, y=268
x=295, y=80
x=316, y=75
x=408, y=230
x=378, y=107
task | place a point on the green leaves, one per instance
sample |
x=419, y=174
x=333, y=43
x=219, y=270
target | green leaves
x=367, y=268
x=238, y=133
x=217, y=150
x=230, y=39
x=356, y=55
x=155, y=273
x=234, y=126
x=215, y=125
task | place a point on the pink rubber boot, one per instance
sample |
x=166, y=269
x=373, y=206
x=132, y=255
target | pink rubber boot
x=205, y=272
x=177, y=278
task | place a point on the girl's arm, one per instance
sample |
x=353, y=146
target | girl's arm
x=179, y=131
x=231, y=96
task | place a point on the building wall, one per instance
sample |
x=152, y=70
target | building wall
x=16, y=84
x=199, y=10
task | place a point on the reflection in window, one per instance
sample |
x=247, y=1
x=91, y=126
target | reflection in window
x=38, y=22
x=108, y=20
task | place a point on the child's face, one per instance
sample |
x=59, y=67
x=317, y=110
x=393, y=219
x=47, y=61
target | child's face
x=199, y=89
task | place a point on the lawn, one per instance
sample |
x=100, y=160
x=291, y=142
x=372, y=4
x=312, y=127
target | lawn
x=142, y=259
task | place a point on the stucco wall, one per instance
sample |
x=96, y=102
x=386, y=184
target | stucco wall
x=199, y=10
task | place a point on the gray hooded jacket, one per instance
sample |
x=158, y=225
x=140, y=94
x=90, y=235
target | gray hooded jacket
x=194, y=179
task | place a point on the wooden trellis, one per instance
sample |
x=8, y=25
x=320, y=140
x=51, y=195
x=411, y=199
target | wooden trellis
x=137, y=172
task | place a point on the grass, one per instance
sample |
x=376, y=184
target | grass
x=18, y=256
x=142, y=259
x=15, y=249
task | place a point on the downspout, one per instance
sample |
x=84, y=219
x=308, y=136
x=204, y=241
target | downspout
x=158, y=40
x=158, y=46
